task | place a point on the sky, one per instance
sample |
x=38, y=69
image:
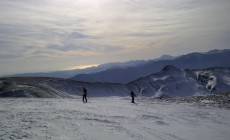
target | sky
x=49, y=35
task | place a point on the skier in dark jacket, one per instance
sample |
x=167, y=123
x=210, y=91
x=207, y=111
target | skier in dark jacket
x=84, y=99
x=132, y=94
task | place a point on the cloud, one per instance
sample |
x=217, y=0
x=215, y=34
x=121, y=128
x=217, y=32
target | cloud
x=9, y=56
x=84, y=48
x=92, y=31
x=78, y=35
x=149, y=34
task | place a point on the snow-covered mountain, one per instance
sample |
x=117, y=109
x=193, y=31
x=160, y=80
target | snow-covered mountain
x=174, y=82
x=214, y=58
x=169, y=82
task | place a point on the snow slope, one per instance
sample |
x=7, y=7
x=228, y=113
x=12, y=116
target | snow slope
x=57, y=88
x=110, y=119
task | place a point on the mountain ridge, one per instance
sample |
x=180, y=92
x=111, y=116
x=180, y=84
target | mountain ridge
x=190, y=61
x=94, y=69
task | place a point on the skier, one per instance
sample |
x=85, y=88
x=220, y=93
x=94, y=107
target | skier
x=132, y=94
x=84, y=99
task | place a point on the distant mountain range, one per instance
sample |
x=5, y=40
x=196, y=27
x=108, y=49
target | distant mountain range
x=71, y=73
x=214, y=58
x=169, y=82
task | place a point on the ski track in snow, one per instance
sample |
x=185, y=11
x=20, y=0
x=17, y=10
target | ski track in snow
x=110, y=118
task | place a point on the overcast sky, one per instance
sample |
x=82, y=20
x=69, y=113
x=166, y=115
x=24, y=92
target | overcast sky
x=47, y=35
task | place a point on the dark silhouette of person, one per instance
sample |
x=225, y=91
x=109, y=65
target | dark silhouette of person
x=132, y=94
x=84, y=99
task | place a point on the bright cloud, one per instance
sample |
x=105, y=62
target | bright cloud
x=82, y=66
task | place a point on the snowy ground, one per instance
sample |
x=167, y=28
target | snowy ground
x=110, y=119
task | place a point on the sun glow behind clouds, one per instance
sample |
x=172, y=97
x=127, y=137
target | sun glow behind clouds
x=82, y=66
